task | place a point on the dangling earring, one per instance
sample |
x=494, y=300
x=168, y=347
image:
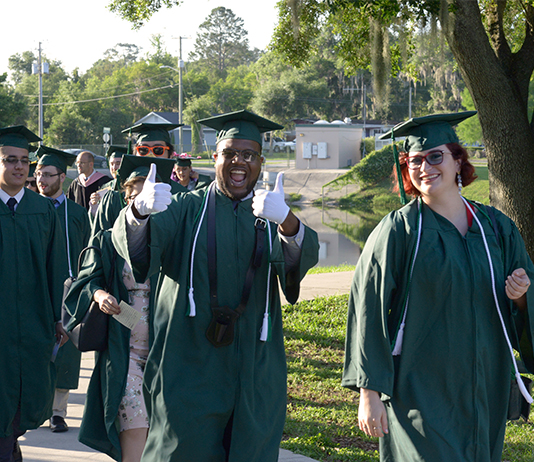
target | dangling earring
x=459, y=181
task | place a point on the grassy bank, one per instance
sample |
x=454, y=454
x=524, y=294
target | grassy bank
x=377, y=200
x=322, y=416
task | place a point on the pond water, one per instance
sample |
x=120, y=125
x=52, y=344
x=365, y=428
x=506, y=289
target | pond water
x=341, y=233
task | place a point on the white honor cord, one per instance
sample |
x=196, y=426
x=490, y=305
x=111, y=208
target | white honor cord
x=67, y=235
x=264, y=335
x=520, y=383
x=400, y=334
x=192, y=306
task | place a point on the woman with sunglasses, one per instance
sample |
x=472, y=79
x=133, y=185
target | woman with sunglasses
x=150, y=140
x=115, y=419
x=439, y=298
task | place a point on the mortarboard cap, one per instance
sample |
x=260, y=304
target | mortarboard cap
x=132, y=166
x=241, y=125
x=116, y=151
x=33, y=163
x=55, y=157
x=152, y=132
x=427, y=132
x=17, y=136
x=184, y=159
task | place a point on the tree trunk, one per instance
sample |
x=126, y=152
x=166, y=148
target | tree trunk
x=497, y=87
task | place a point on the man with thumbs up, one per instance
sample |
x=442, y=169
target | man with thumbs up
x=216, y=373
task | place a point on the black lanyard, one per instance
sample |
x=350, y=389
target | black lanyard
x=255, y=262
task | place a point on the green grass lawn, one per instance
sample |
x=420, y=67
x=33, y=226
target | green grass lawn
x=322, y=416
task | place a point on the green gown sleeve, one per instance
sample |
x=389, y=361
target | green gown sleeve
x=375, y=304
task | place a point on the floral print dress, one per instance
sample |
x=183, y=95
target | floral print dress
x=132, y=410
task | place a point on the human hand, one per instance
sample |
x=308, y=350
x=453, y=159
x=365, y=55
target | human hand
x=271, y=205
x=193, y=175
x=517, y=284
x=94, y=198
x=372, y=417
x=155, y=197
x=107, y=302
x=61, y=334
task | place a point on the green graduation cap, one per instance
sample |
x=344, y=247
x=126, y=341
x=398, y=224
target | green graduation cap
x=132, y=166
x=116, y=151
x=423, y=133
x=184, y=159
x=152, y=132
x=241, y=125
x=427, y=132
x=17, y=136
x=55, y=157
x=33, y=163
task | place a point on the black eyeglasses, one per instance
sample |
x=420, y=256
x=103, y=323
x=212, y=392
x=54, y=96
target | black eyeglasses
x=248, y=155
x=31, y=183
x=432, y=158
x=46, y=174
x=15, y=160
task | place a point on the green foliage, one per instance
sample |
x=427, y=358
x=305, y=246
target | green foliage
x=139, y=11
x=469, y=131
x=222, y=42
x=370, y=170
x=367, y=145
x=13, y=108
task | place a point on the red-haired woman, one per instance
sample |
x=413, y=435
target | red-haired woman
x=439, y=297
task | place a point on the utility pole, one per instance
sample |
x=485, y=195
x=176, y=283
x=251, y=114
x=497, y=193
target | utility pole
x=364, y=110
x=181, y=65
x=40, y=68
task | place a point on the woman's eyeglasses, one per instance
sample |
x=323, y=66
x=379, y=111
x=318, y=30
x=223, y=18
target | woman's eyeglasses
x=248, y=155
x=156, y=150
x=432, y=158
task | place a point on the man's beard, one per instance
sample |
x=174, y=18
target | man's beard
x=223, y=185
x=53, y=188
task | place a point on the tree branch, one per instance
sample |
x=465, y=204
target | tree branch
x=523, y=61
x=495, y=18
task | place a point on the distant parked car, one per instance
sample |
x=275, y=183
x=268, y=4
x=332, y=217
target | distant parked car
x=279, y=145
x=100, y=161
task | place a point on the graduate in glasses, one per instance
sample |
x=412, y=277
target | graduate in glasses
x=32, y=271
x=51, y=173
x=146, y=140
x=215, y=378
x=426, y=347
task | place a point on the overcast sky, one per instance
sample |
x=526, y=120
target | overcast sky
x=78, y=32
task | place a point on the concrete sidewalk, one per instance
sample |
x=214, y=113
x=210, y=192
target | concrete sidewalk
x=41, y=445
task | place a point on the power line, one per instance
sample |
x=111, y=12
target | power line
x=104, y=98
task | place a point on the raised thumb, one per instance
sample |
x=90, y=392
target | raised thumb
x=279, y=184
x=151, y=177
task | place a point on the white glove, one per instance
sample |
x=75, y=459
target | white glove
x=271, y=204
x=155, y=197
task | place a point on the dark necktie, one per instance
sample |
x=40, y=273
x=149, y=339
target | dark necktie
x=11, y=202
x=55, y=202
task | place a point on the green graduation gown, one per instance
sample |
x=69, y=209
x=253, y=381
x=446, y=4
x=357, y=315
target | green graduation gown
x=111, y=205
x=32, y=262
x=99, y=429
x=193, y=389
x=68, y=357
x=446, y=395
